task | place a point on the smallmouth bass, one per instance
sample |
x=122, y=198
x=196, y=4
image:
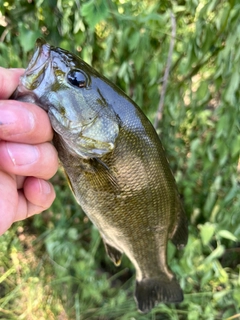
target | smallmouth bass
x=115, y=165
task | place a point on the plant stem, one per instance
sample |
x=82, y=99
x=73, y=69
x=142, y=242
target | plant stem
x=166, y=73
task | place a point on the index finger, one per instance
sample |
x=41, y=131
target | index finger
x=24, y=122
x=9, y=79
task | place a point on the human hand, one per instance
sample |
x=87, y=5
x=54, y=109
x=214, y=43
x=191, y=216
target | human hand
x=27, y=158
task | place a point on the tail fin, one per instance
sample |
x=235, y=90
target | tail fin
x=150, y=292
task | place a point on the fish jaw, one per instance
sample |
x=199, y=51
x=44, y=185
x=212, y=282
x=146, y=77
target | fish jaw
x=34, y=74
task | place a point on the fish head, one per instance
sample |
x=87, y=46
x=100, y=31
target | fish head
x=66, y=87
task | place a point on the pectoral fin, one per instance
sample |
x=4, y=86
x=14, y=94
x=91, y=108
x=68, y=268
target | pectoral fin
x=104, y=178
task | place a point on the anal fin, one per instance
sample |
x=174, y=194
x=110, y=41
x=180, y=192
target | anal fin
x=114, y=254
x=180, y=234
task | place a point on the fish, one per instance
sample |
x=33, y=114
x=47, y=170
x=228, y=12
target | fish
x=115, y=165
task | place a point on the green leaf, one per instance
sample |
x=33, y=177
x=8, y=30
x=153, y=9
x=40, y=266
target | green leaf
x=94, y=11
x=227, y=235
x=28, y=37
x=134, y=40
x=215, y=254
x=203, y=90
x=233, y=87
x=206, y=232
x=73, y=233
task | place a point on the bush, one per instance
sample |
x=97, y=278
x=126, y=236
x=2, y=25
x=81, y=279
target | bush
x=54, y=266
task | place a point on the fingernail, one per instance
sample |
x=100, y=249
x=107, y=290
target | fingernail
x=10, y=118
x=22, y=154
x=45, y=187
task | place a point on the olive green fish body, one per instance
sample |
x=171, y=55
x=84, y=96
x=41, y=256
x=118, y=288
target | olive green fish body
x=116, y=167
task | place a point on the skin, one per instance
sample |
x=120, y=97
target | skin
x=27, y=157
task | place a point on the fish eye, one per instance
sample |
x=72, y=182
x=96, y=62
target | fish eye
x=77, y=78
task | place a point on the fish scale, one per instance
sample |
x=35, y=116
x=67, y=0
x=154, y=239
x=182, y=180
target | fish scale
x=115, y=165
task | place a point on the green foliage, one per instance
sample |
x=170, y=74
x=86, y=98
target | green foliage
x=60, y=252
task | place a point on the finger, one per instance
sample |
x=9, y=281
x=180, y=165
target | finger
x=9, y=79
x=40, y=160
x=24, y=122
x=37, y=195
x=20, y=181
x=8, y=201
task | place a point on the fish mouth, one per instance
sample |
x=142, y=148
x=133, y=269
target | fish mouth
x=34, y=74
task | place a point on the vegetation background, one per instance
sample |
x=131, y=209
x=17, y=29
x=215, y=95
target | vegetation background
x=53, y=266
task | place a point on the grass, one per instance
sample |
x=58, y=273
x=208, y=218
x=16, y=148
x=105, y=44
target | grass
x=54, y=266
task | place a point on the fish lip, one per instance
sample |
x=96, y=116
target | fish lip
x=39, y=62
x=43, y=54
